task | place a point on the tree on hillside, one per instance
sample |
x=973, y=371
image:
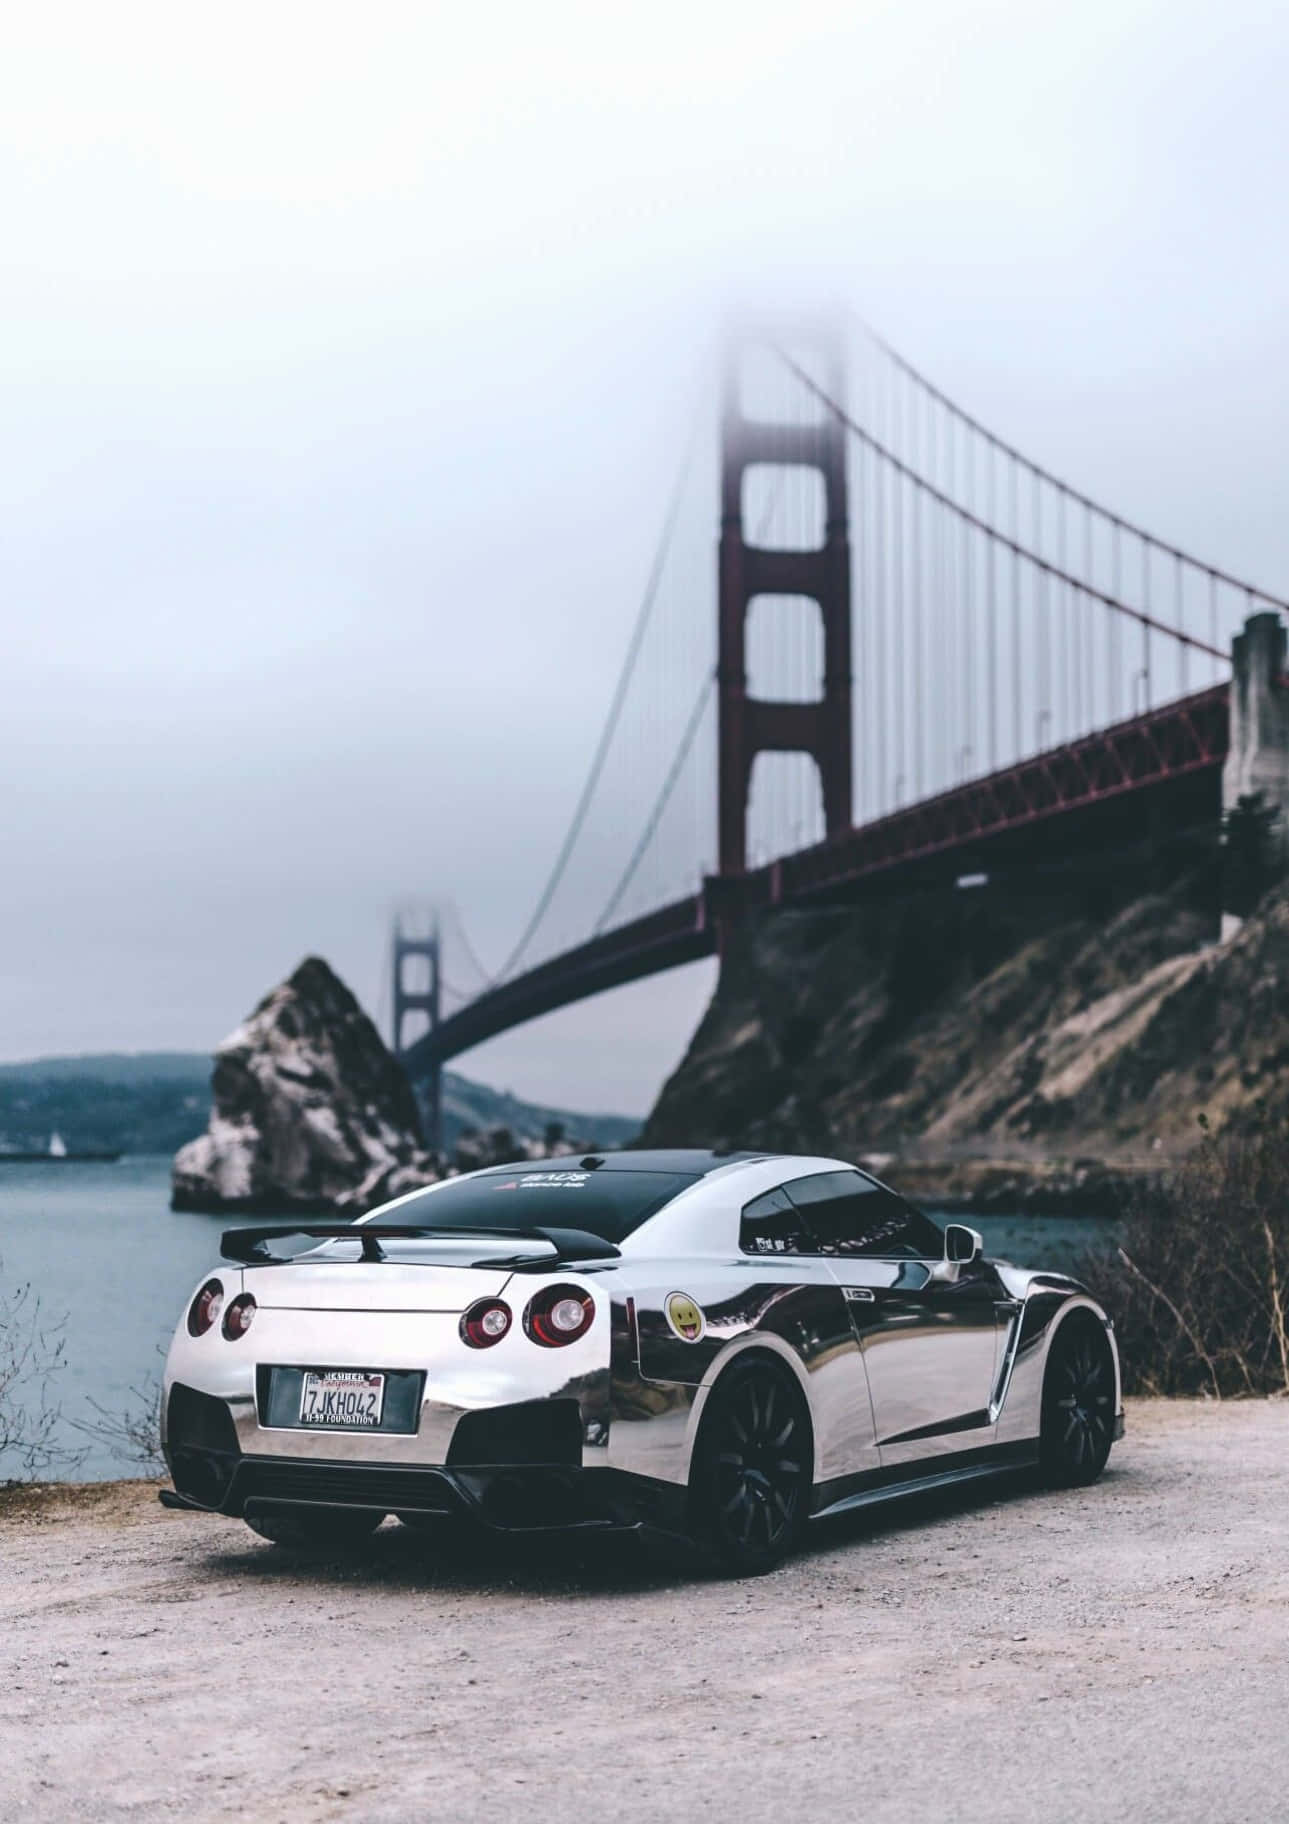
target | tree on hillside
x=1249, y=853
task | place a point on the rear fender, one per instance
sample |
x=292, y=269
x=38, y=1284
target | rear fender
x=765, y=1344
x=655, y=1423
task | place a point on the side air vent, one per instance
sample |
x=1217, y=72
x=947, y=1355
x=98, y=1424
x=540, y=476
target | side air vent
x=197, y=1421
x=201, y=1445
x=535, y=1431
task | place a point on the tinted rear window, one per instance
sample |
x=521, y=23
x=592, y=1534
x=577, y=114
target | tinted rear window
x=605, y=1203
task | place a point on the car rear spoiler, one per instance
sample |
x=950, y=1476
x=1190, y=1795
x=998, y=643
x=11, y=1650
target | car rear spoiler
x=253, y=1247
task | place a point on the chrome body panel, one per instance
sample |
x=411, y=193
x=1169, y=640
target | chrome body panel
x=793, y=1310
x=912, y=1371
x=930, y=1350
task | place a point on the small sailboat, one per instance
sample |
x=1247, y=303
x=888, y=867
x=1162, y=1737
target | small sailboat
x=56, y=1153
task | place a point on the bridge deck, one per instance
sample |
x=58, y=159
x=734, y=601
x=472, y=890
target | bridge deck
x=678, y=933
x=1178, y=740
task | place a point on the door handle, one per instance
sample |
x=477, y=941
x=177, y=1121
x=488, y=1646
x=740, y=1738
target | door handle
x=859, y=1295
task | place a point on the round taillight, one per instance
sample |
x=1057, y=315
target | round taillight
x=205, y=1308
x=485, y=1323
x=559, y=1315
x=238, y=1317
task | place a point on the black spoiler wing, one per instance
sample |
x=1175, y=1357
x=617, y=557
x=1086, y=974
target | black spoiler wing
x=254, y=1247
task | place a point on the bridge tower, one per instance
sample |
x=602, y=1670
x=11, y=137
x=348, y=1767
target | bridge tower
x=751, y=725
x=426, y=1000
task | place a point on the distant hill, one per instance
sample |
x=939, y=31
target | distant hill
x=467, y=1104
x=116, y=1067
x=145, y=1102
x=156, y=1101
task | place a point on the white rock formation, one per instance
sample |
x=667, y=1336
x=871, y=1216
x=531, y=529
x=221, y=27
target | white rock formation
x=312, y=1112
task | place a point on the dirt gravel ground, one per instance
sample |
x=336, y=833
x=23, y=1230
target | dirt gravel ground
x=1120, y=1652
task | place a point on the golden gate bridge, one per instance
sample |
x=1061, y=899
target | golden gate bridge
x=918, y=654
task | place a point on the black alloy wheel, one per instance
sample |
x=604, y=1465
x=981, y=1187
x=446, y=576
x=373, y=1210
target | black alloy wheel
x=1078, y=1403
x=314, y=1528
x=751, y=1476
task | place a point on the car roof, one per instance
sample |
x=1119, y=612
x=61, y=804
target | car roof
x=696, y=1162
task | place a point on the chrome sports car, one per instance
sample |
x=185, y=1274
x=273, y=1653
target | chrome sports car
x=720, y=1346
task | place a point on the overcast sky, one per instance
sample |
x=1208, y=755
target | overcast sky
x=346, y=357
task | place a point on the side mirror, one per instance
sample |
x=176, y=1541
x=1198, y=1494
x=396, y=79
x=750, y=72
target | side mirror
x=962, y=1245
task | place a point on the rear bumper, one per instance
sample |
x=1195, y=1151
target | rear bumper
x=508, y=1498
x=512, y=1468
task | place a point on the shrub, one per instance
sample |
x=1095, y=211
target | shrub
x=31, y=1357
x=133, y=1433
x=1199, y=1285
x=1249, y=852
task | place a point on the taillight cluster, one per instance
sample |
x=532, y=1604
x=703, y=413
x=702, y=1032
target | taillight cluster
x=485, y=1323
x=559, y=1315
x=237, y=1318
x=554, y=1317
x=203, y=1312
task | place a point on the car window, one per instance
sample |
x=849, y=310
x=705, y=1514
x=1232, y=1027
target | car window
x=849, y=1214
x=773, y=1224
x=925, y=1237
x=609, y=1203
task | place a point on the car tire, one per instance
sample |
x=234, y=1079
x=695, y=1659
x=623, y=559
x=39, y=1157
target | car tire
x=750, y=1480
x=1078, y=1403
x=315, y=1528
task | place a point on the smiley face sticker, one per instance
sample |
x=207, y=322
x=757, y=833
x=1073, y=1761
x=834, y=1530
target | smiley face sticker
x=685, y=1317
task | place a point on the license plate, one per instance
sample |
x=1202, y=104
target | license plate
x=341, y=1399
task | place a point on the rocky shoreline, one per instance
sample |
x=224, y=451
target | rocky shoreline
x=999, y=1187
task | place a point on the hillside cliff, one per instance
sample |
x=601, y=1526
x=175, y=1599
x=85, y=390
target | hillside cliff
x=980, y=1041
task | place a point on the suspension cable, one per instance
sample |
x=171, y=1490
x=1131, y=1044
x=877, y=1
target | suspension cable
x=609, y=729
x=463, y=938
x=968, y=518
x=1045, y=475
x=687, y=739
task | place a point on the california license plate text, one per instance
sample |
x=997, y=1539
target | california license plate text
x=344, y=1399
